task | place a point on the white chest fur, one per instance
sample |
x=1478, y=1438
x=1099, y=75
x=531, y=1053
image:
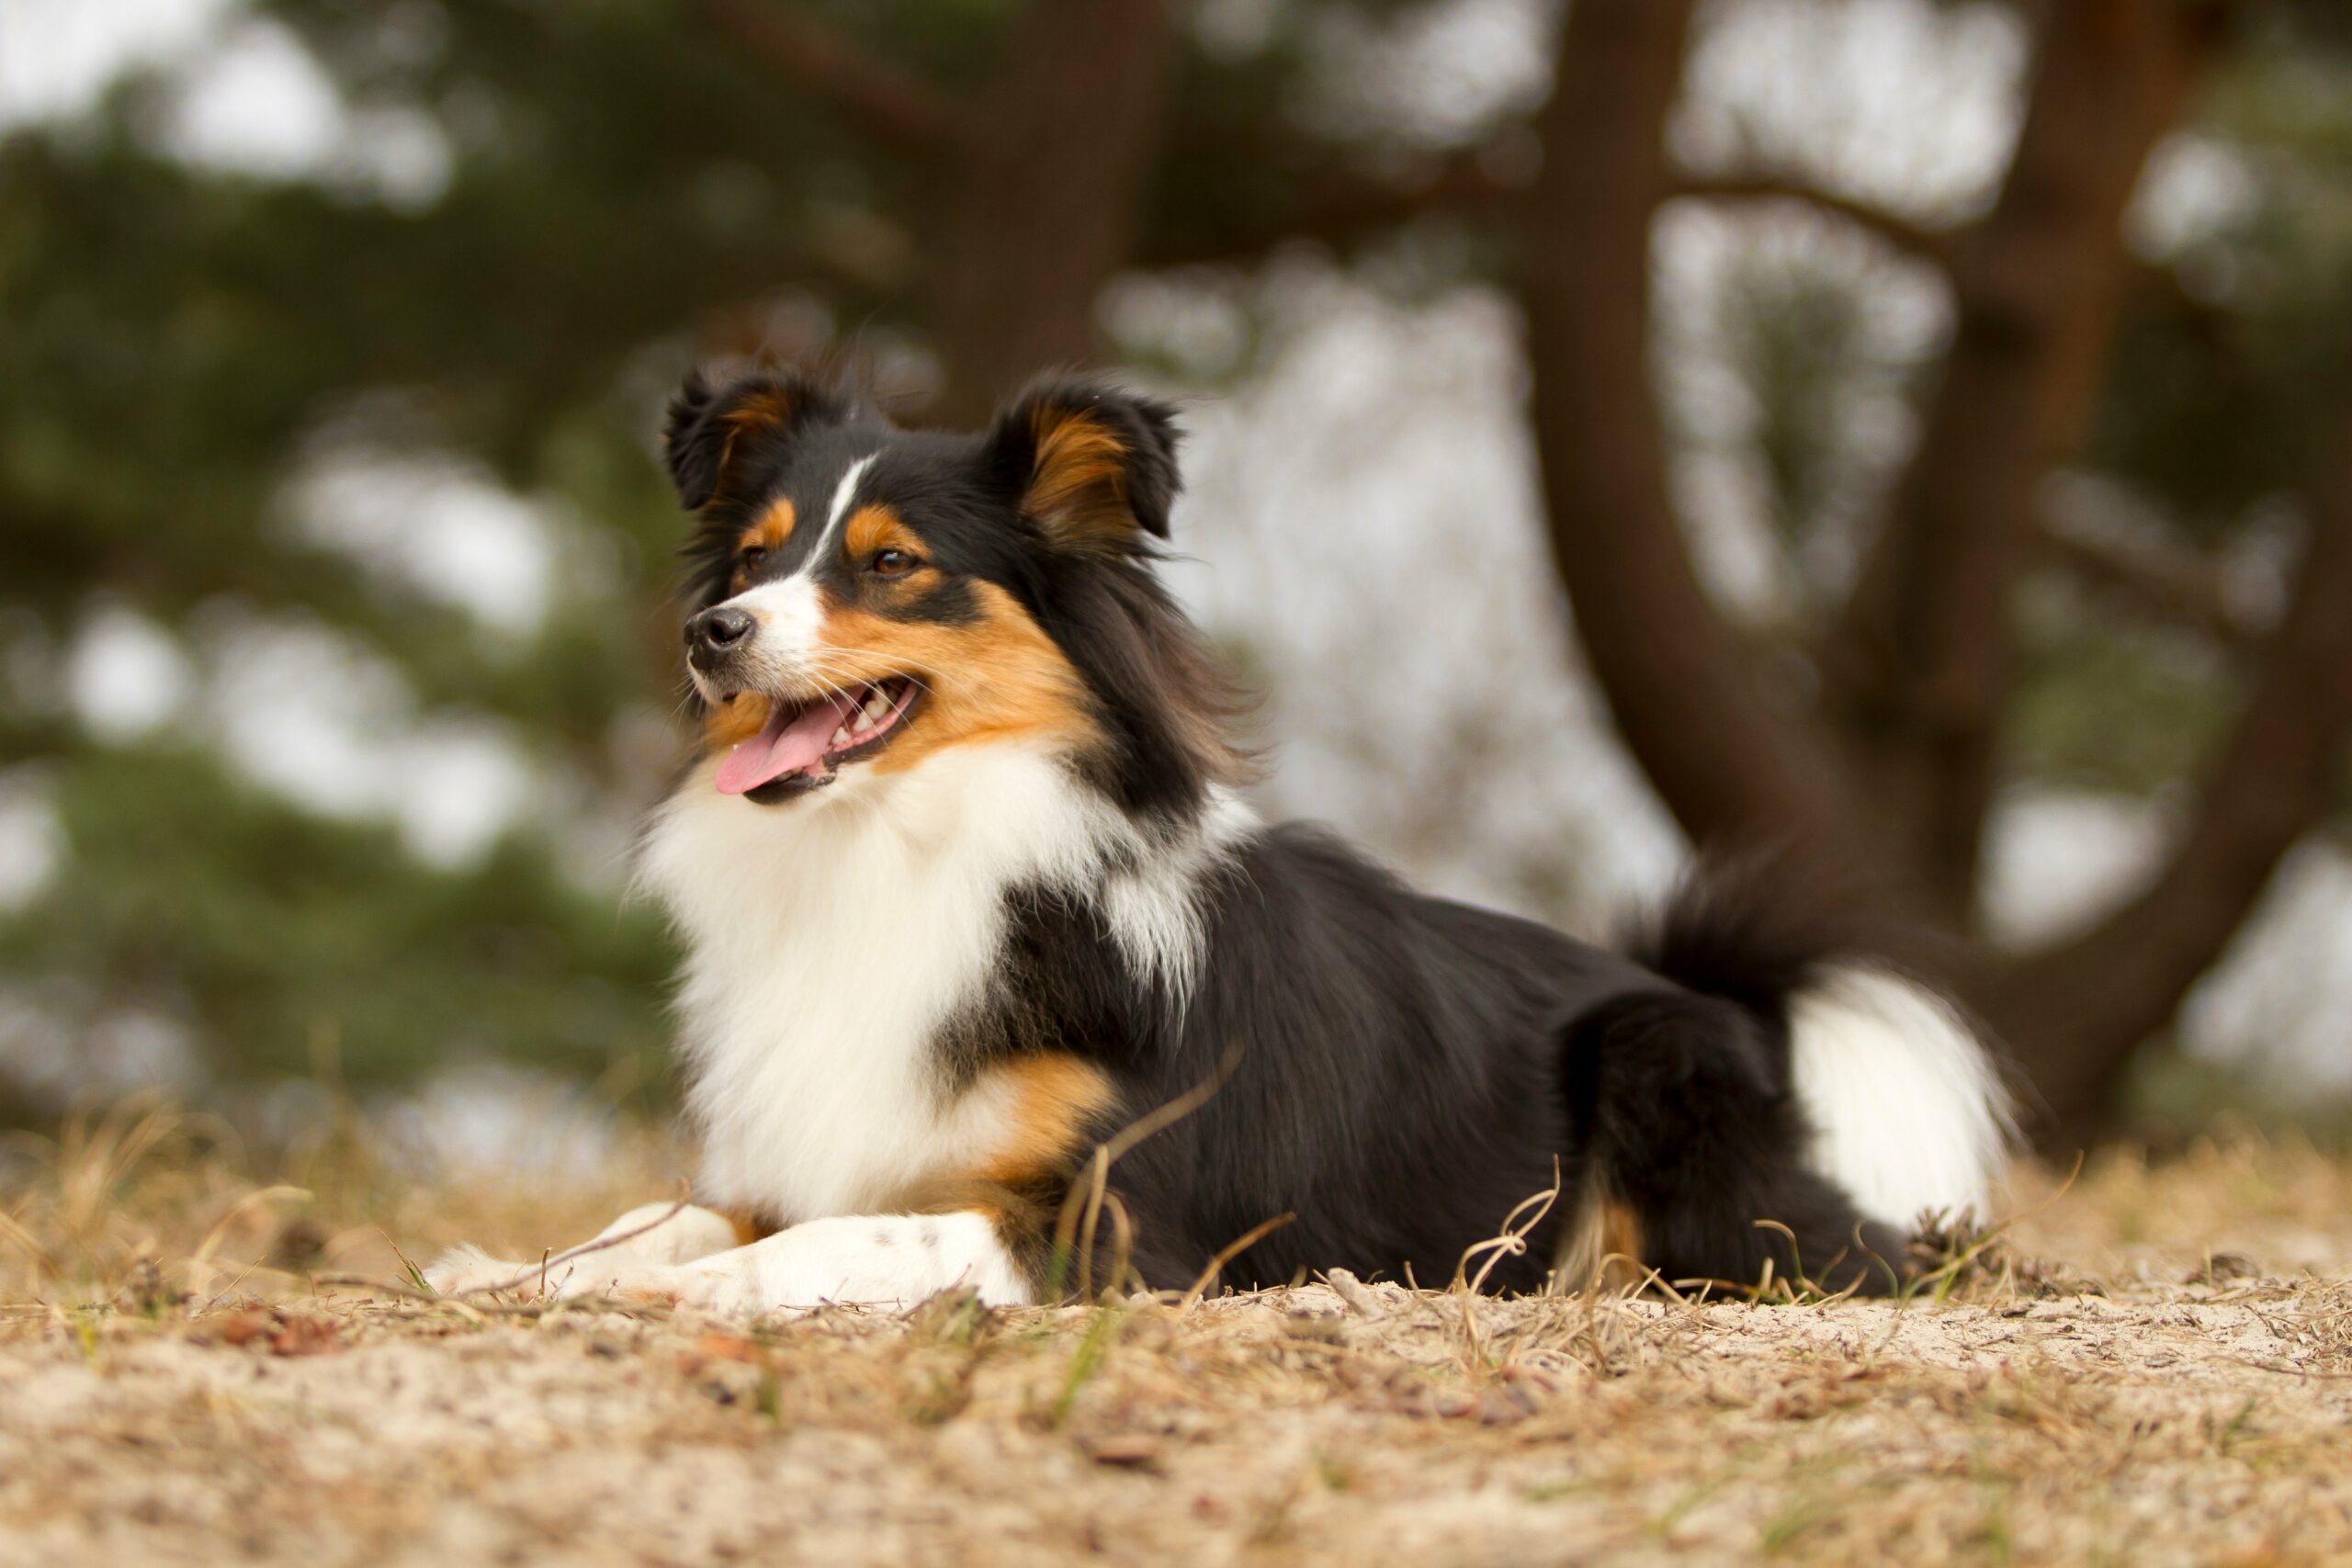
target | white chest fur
x=829, y=937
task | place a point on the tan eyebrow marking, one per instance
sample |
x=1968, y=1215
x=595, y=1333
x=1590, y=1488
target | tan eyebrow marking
x=772, y=528
x=875, y=528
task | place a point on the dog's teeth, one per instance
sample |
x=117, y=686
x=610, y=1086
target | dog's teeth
x=876, y=706
x=840, y=736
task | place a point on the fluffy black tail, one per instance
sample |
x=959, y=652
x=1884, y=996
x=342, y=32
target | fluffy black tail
x=1783, y=1098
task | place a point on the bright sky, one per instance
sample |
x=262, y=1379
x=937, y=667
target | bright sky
x=57, y=56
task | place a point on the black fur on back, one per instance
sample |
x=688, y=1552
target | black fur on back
x=1397, y=1084
x=1410, y=1070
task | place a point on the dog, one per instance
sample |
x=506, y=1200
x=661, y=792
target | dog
x=994, y=981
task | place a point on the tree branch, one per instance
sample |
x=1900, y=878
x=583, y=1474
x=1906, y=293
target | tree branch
x=2086, y=1004
x=1732, y=755
x=1344, y=206
x=881, y=97
x=1913, y=240
x=2173, y=586
x=1921, y=663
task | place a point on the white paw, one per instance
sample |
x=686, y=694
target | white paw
x=727, y=1290
x=886, y=1262
x=615, y=1274
x=464, y=1268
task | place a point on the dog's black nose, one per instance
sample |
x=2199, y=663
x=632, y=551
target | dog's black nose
x=714, y=633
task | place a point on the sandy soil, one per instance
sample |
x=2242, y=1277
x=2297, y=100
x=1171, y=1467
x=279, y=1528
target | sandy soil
x=2153, y=1366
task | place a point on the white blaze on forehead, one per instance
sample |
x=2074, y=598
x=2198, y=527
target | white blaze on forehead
x=843, y=493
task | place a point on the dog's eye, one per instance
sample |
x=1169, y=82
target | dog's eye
x=751, y=558
x=893, y=563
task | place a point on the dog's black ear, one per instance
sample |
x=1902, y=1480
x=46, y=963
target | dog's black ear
x=710, y=429
x=1092, y=466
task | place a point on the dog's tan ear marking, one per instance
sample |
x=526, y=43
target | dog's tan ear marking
x=1093, y=467
x=1079, y=491
x=711, y=429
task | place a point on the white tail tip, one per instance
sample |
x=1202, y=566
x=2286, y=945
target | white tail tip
x=1908, y=1114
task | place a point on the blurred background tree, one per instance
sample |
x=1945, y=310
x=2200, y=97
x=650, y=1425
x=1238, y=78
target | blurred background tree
x=1894, y=484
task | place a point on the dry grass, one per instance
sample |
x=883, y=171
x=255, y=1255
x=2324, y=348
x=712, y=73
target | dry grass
x=2155, y=1366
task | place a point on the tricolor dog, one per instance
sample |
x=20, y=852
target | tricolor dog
x=967, y=888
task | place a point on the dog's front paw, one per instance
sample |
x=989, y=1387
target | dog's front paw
x=462, y=1270
x=735, y=1292
x=616, y=1276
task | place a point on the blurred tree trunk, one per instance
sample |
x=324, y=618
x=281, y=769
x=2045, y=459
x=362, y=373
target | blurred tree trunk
x=1043, y=198
x=1921, y=668
x=1727, y=747
x=1891, y=771
x=1042, y=184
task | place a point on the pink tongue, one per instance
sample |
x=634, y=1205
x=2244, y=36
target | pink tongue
x=785, y=747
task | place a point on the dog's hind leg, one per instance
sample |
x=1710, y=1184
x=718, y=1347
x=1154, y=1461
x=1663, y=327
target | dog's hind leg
x=1692, y=1152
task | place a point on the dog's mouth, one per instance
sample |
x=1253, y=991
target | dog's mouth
x=804, y=744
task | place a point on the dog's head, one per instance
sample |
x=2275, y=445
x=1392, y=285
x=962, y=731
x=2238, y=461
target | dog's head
x=864, y=597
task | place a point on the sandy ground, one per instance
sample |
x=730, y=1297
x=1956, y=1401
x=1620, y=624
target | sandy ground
x=2153, y=1366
